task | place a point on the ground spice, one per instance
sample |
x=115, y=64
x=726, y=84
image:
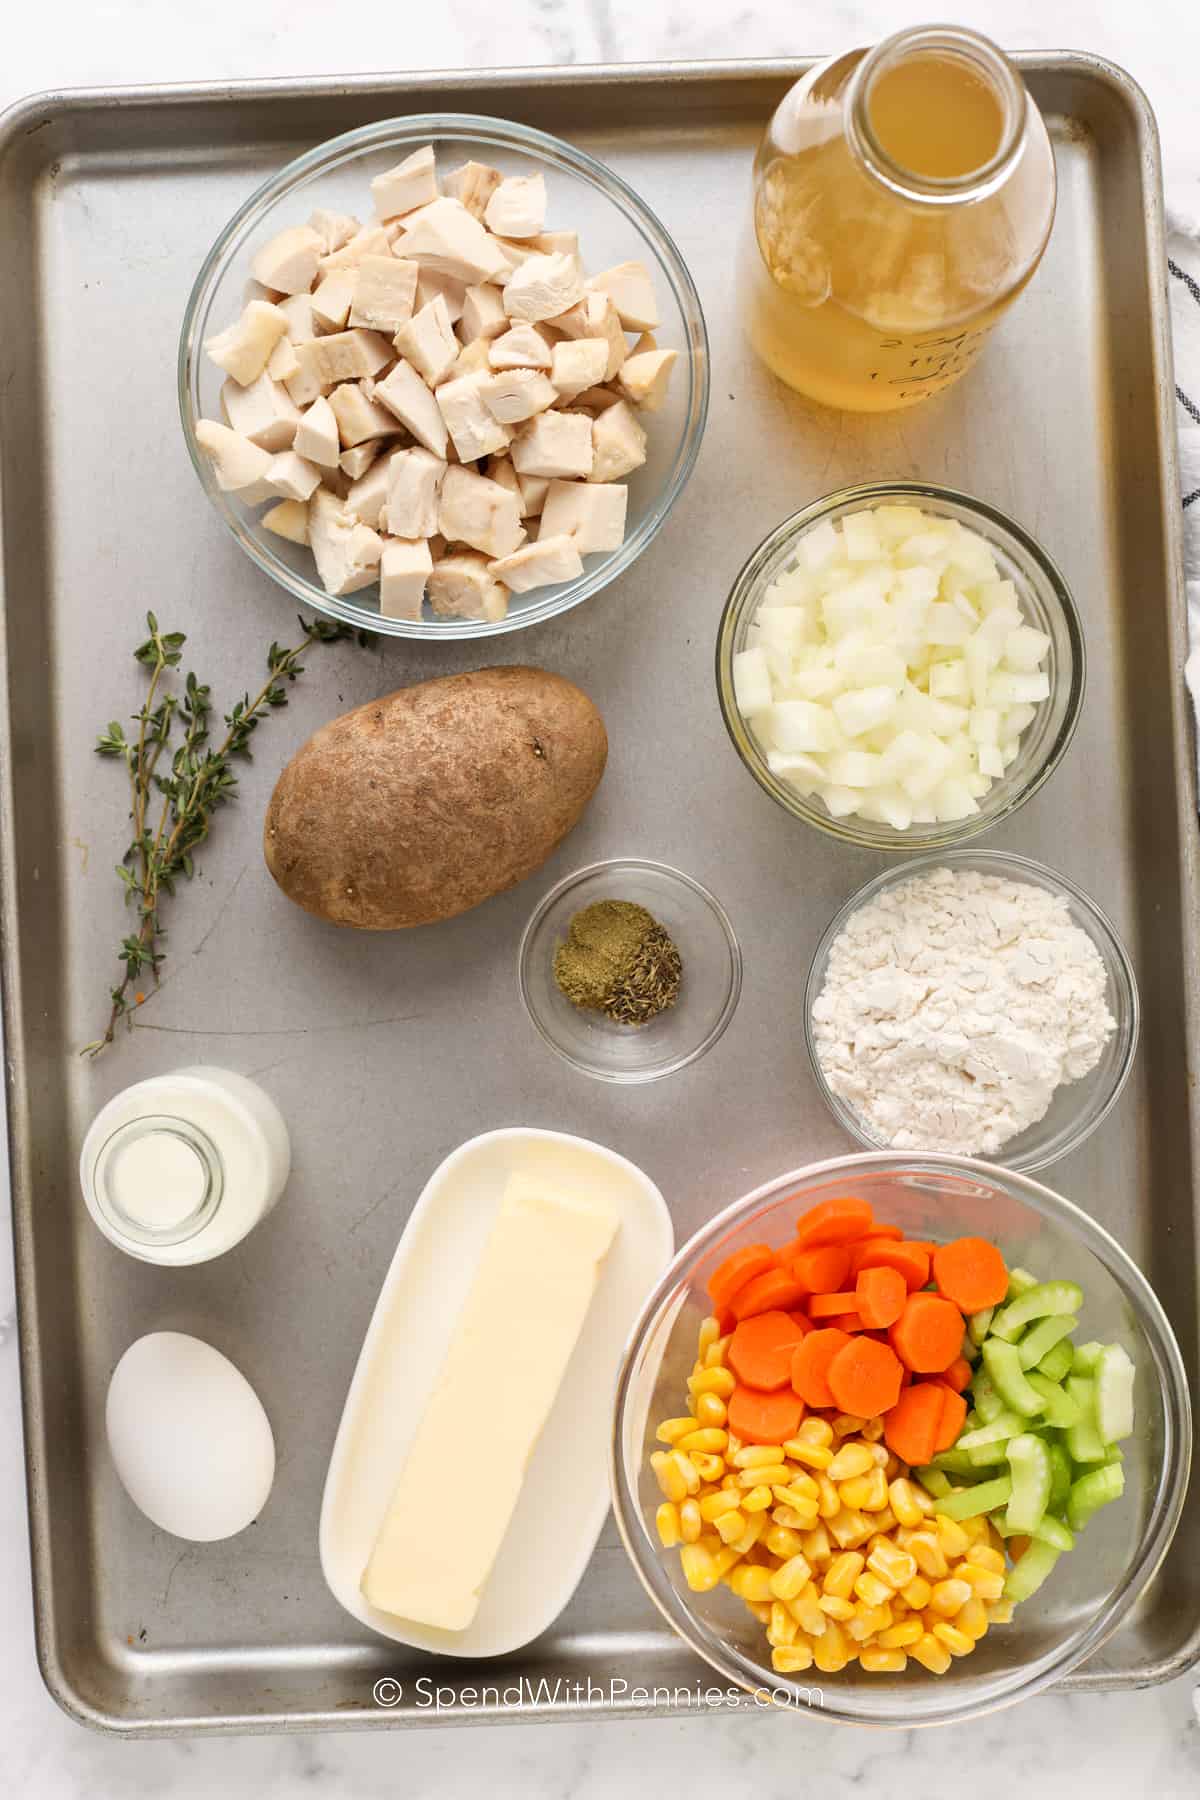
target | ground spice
x=618, y=960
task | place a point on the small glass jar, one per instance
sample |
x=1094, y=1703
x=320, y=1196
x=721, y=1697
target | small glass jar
x=903, y=197
x=177, y=1169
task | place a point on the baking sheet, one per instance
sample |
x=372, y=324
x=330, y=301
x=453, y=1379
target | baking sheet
x=386, y=1051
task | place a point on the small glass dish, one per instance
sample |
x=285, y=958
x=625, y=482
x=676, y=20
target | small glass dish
x=1088, y=1594
x=1078, y=1107
x=709, y=989
x=614, y=225
x=1045, y=600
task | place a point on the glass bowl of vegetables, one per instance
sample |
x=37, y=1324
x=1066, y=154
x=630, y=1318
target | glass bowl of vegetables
x=1001, y=1433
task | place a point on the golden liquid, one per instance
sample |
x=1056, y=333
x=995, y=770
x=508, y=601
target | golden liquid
x=857, y=298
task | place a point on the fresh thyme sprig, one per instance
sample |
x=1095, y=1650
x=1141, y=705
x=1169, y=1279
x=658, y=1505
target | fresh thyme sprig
x=200, y=780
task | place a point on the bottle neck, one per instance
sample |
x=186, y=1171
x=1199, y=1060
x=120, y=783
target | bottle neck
x=885, y=87
x=158, y=1181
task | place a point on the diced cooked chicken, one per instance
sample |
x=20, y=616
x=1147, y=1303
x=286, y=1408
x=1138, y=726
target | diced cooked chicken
x=590, y=513
x=347, y=552
x=404, y=568
x=473, y=510
x=241, y=467
x=372, y=240
x=554, y=444
x=242, y=348
x=359, y=418
x=647, y=341
x=483, y=314
x=517, y=209
x=317, y=437
x=514, y=253
x=578, y=363
x=405, y=394
x=283, y=362
x=357, y=461
x=551, y=559
x=428, y=341
x=597, y=399
x=474, y=430
x=619, y=443
x=288, y=520
x=460, y=587
x=500, y=470
x=383, y=291
x=367, y=497
x=297, y=310
x=473, y=360
x=557, y=243
x=543, y=287
x=444, y=237
x=631, y=291
x=430, y=284
x=264, y=412
x=522, y=347
x=533, y=494
x=473, y=185
x=410, y=184
x=333, y=228
x=596, y=316
x=289, y=262
x=512, y=395
x=644, y=378
x=292, y=477
x=332, y=298
x=343, y=356
x=414, y=487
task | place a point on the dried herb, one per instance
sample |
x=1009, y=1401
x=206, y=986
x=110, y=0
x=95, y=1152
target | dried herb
x=618, y=960
x=200, y=780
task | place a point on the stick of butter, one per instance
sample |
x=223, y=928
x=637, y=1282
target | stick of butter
x=506, y=1361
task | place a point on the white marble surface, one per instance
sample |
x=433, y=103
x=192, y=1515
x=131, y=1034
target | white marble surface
x=1139, y=1743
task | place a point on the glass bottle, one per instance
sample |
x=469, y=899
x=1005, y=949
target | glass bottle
x=903, y=197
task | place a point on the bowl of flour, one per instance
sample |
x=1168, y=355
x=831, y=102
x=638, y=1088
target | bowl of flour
x=973, y=1003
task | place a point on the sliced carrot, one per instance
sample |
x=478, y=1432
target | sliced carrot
x=725, y=1320
x=925, y=1244
x=958, y=1374
x=849, y=1321
x=737, y=1269
x=760, y=1350
x=839, y=1221
x=880, y=1230
x=971, y=1272
x=759, y=1418
x=910, y=1428
x=864, y=1377
x=823, y=1270
x=908, y=1259
x=880, y=1294
x=954, y=1412
x=810, y=1365
x=928, y=1334
x=801, y=1320
x=824, y=1306
x=771, y=1291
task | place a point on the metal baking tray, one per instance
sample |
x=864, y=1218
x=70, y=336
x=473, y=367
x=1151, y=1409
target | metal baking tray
x=385, y=1051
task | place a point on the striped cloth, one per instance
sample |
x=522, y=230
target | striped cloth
x=1184, y=273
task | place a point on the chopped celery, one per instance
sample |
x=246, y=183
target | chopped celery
x=1086, y=1358
x=934, y=1481
x=1051, y=1530
x=1059, y=1362
x=1114, y=1394
x=977, y=1324
x=1019, y=1282
x=1027, y=1576
x=1005, y=1425
x=1084, y=1443
x=988, y=1403
x=1042, y=1337
x=1092, y=1491
x=970, y=1349
x=954, y=1462
x=988, y=1456
x=1029, y=1461
x=1060, y=1410
x=968, y=1503
x=1060, y=1476
x=1004, y=1366
x=1043, y=1300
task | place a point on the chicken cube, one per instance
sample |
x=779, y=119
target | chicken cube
x=297, y=310
x=288, y=264
x=343, y=356
x=460, y=587
x=554, y=444
x=644, y=377
x=590, y=513
x=368, y=495
x=292, y=477
x=473, y=510
x=385, y=288
x=565, y=243
x=333, y=297
x=619, y=443
x=500, y=470
x=596, y=399
x=372, y=240
x=534, y=489
x=410, y=184
x=430, y=284
x=512, y=395
x=263, y=411
x=483, y=314
x=405, y=394
x=317, y=437
x=596, y=316
x=474, y=430
x=515, y=253
x=283, y=362
x=542, y=288
x=288, y=520
x=242, y=468
x=333, y=228
x=551, y=559
x=347, y=552
x=473, y=360
x=578, y=363
x=242, y=348
x=631, y=291
x=359, y=418
x=445, y=238
x=414, y=488
x=404, y=568
x=522, y=347
x=357, y=461
x=473, y=186
x=517, y=209
x=428, y=341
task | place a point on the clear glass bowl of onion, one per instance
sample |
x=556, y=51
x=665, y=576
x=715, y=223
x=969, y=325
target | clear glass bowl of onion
x=1045, y=602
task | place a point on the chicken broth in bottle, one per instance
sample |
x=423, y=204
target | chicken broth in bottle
x=903, y=197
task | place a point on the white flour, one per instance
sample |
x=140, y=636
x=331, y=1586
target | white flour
x=953, y=1007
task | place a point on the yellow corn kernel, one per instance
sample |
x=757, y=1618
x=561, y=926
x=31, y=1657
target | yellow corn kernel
x=929, y=1555
x=815, y=1431
x=708, y=1540
x=901, y=1635
x=735, y=1444
x=925, y=1499
x=957, y=1642
x=755, y=1455
x=666, y=1523
x=708, y=1467
x=763, y=1475
x=930, y=1653
x=951, y=1536
x=851, y=1460
x=883, y=1661
x=984, y=1557
x=691, y=1521
x=916, y=1593
x=713, y=1381
x=730, y=1481
x=791, y=1577
x=836, y=1608
x=710, y=1331
x=831, y=1652
x=757, y=1500
x=726, y=1558
x=782, y=1542
x=791, y=1659
x=1000, y=1612
x=949, y=1597
x=760, y=1610
x=849, y=1529
x=699, y=1569
x=881, y=1456
x=671, y=1430
x=750, y=1581
x=829, y=1501
x=803, y=1485
x=812, y=1455
x=754, y=1527
x=977, y=1530
x=799, y=1501
x=903, y=1499
x=985, y=1583
x=715, y=1355
x=894, y=1469
x=710, y=1410
x=871, y=1590
x=782, y=1628
x=846, y=1425
x=840, y=1575
x=817, y=1546
x=792, y=1517
x=709, y=1439
x=973, y=1619
x=872, y=1430
x=806, y=1610
x=884, y=1522
x=895, y=1566
x=730, y=1526
x=671, y=1483
x=713, y=1505
x=868, y=1621
x=865, y=1493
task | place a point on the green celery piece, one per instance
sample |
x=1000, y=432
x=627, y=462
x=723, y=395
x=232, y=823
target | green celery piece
x=955, y=1462
x=1061, y=1476
x=934, y=1481
x=977, y=1324
x=1084, y=1443
x=1092, y=1491
x=1003, y=1364
x=1027, y=1576
x=1042, y=1337
x=1086, y=1358
x=1113, y=1453
x=1029, y=1461
x=970, y=1349
x=1051, y=1530
x=1019, y=1282
x=989, y=1456
x=1059, y=1362
x=1045, y=1299
x=970, y=1502
x=1005, y=1425
x=1060, y=1410
x=988, y=1403
x=1114, y=1394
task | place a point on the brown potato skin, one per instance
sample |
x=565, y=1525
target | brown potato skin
x=420, y=805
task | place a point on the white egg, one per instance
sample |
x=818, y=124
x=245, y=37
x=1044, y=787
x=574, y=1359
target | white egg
x=189, y=1437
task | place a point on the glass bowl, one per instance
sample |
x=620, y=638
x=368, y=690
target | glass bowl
x=1089, y=1593
x=1079, y=1106
x=708, y=992
x=613, y=224
x=1045, y=601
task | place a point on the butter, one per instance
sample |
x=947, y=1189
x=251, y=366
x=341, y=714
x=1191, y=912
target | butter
x=462, y=1479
